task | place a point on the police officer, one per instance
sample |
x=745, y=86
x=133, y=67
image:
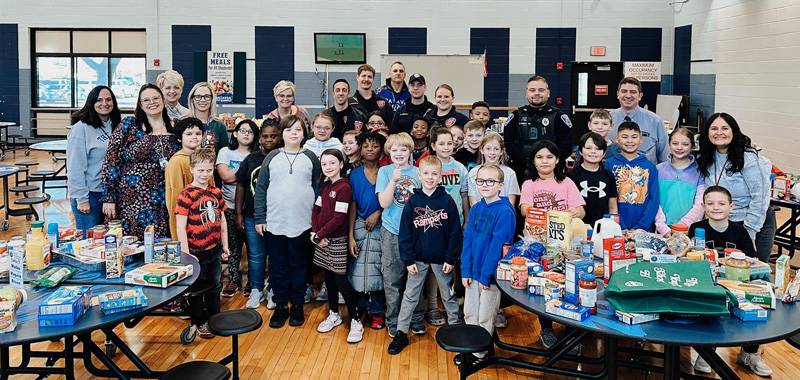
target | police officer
x=413, y=107
x=345, y=116
x=533, y=122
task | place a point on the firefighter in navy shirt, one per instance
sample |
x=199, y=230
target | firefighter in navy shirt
x=345, y=117
x=533, y=122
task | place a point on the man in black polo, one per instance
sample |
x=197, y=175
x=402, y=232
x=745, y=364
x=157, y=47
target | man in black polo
x=414, y=107
x=365, y=98
x=344, y=116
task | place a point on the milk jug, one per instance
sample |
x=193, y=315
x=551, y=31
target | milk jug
x=604, y=228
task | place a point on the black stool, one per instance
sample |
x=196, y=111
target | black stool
x=24, y=167
x=466, y=340
x=30, y=202
x=232, y=323
x=199, y=369
x=42, y=175
x=794, y=340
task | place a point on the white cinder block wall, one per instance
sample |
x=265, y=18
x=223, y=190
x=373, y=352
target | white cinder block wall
x=755, y=47
x=448, y=24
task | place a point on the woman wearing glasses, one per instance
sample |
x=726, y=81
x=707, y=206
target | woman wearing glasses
x=133, y=171
x=284, y=96
x=203, y=105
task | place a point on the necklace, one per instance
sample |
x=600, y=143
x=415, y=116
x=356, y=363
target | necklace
x=291, y=162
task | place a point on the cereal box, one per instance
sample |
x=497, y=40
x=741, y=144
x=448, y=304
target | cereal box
x=536, y=225
x=559, y=228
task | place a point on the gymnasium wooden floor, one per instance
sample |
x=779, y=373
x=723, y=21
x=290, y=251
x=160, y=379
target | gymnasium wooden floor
x=302, y=353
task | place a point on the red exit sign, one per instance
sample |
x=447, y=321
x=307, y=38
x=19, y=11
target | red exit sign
x=598, y=51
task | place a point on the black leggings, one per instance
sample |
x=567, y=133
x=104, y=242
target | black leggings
x=339, y=283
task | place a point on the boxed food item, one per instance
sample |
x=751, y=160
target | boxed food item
x=568, y=310
x=149, y=235
x=749, y=312
x=536, y=285
x=636, y=318
x=536, y=225
x=158, y=275
x=755, y=292
x=574, y=270
x=122, y=300
x=65, y=306
x=173, y=252
x=559, y=228
x=503, y=271
x=663, y=258
x=781, y=273
x=115, y=260
x=615, y=256
x=782, y=188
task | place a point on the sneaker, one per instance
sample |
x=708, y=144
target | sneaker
x=397, y=345
x=307, y=297
x=270, y=302
x=755, y=362
x=341, y=299
x=418, y=328
x=203, y=332
x=436, y=317
x=279, y=317
x=329, y=323
x=548, y=337
x=255, y=299
x=296, y=316
x=230, y=290
x=191, y=334
x=392, y=332
x=377, y=322
x=246, y=290
x=356, y=331
x=500, y=320
x=700, y=365
x=322, y=296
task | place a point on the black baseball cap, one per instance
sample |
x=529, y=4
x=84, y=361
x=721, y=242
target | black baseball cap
x=416, y=77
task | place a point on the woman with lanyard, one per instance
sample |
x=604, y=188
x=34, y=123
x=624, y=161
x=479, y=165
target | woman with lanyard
x=203, y=105
x=133, y=171
x=171, y=84
x=284, y=92
x=728, y=159
x=87, y=143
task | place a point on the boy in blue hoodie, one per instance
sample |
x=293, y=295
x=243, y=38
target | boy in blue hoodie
x=430, y=239
x=637, y=180
x=490, y=225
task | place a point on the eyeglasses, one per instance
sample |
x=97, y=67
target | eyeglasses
x=375, y=123
x=486, y=182
x=157, y=99
x=202, y=97
x=244, y=132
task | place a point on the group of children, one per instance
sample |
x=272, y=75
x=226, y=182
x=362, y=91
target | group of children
x=398, y=222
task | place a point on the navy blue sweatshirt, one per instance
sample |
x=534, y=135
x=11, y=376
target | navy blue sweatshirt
x=430, y=230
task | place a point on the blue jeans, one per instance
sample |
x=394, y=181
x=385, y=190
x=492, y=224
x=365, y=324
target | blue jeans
x=288, y=265
x=373, y=303
x=256, y=255
x=94, y=217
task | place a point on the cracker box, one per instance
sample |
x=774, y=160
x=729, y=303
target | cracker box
x=615, y=256
x=749, y=312
x=758, y=293
x=559, y=228
x=158, y=275
x=536, y=225
x=636, y=318
x=65, y=306
x=568, y=310
x=781, y=273
x=122, y=300
x=574, y=270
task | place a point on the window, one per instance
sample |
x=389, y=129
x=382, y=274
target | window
x=68, y=63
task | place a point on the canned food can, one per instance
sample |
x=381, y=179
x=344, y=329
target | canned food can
x=174, y=252
x=98, y=231
x=160, y=253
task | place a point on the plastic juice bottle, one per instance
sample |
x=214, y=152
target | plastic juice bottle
x=604, y=228
x=37, y=248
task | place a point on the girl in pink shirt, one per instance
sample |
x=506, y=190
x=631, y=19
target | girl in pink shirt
x=548, y=186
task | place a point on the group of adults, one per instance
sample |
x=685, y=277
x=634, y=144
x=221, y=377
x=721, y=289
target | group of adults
x=116, y=166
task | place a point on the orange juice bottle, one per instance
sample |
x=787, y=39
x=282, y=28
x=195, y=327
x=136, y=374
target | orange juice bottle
x=37, y=248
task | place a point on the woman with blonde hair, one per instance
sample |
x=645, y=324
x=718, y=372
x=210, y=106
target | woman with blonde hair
x=171, y=84
x=284, y=96
x=203, y=105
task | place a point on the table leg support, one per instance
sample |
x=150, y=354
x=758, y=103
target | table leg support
x=611, y=356
x=4, y=362
x=716, y=363
x=89, y=348
x=672, y=363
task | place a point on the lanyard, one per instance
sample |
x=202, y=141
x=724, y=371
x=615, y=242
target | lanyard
x=718, y=177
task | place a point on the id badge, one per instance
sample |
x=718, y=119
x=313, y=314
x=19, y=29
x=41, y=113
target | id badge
x=163, y=163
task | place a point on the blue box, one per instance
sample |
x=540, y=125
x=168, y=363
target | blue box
x=65, y=306
x=749, y=312
x=118, y=301
x=568, y=310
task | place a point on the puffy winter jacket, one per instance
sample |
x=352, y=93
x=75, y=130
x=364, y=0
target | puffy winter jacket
x=365, y=271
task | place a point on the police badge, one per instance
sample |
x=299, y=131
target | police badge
x=545, y=121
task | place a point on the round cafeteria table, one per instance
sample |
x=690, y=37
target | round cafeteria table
x=702, y=334
x=28, y=331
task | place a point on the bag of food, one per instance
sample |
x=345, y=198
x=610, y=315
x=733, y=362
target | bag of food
x=53, y=276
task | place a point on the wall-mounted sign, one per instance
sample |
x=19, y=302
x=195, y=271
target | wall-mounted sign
x=644, y=71
x=601, y=89
x=220, y=75
x=598, y=51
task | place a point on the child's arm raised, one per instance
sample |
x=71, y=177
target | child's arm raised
x=386, y=195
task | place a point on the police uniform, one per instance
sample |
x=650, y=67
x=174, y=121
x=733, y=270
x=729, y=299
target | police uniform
x=529, y=124
x=404, y=117
x=349, y=119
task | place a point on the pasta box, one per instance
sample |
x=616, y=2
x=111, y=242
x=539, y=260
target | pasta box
x=158, y=275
